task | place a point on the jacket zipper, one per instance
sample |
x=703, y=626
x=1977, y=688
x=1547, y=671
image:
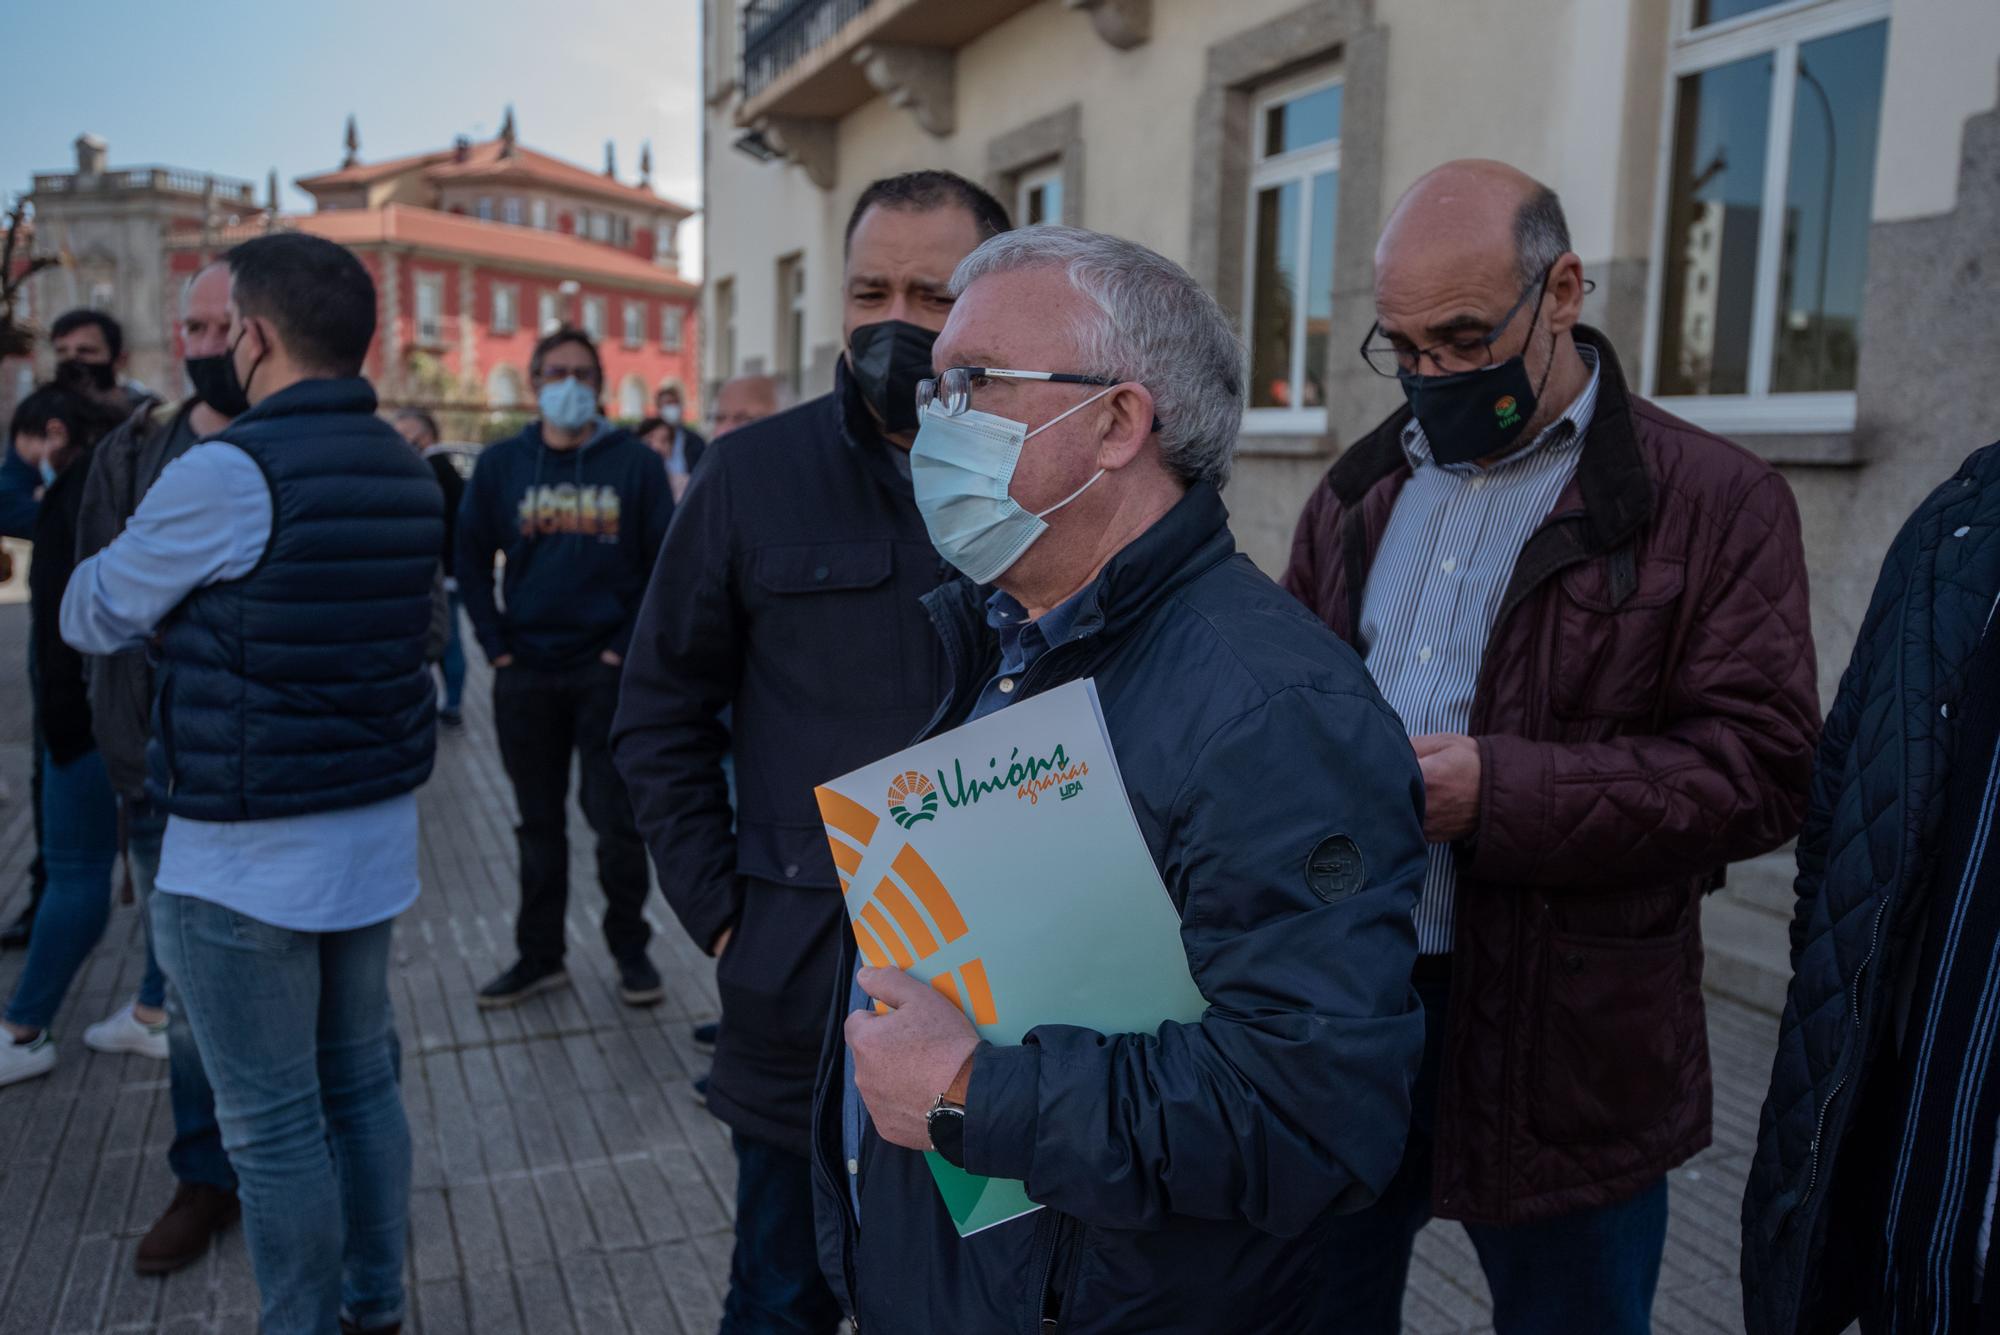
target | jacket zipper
x=1853, y=997
x=1064, y=1231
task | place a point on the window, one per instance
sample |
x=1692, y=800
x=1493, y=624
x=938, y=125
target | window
x=506, y=308
x=1294, y=191
x=503, y=388
x=600, y=224
x=538, y=214
x=670, y=328
x=593, y=318
x=622, y=230
x=632, y=403
x=725, y=327
x=486, y=208
x=1769, y=182
x=1039, y=196
x=635, y=323
x=547, y=318
x=510, y=210
x=430, y=308
x=792, y=320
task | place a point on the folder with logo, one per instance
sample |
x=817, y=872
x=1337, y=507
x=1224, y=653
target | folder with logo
x=1002, y=864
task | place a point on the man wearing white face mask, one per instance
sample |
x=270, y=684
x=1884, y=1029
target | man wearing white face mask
x=1071, y=448
x=580, y=508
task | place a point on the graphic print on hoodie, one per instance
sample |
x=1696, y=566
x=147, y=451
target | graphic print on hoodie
x=580, y=530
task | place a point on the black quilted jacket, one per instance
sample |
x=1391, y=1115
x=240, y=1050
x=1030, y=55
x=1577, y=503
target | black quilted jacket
x=1867, y=861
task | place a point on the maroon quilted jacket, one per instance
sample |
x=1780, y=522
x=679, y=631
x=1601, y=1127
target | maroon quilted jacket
x=1646, y=713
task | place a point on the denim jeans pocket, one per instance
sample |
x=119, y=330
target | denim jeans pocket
x=262, y=936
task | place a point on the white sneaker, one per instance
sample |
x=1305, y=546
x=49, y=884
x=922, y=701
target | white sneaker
x=25, y=1061
x=126, y=1032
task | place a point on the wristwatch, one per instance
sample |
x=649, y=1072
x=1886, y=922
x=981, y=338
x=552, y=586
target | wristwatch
x=946, y=1119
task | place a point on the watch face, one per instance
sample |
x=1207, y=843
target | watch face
x=947, y=1128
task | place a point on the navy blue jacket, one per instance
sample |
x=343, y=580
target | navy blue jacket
x=1867, y=854
x=788, y=592
x=301, y=688
x=580, y=529
x=1190, y=1173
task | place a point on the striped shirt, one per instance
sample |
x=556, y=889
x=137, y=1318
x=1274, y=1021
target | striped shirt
x=1436, y=587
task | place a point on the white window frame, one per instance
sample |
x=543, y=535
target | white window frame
x=595, y=314
x=1043, y=176
x=538, y=214
x=671, y=319
x=1300, y=165
x=485, y=208
x=510, y=210
x=723, y=294
x=1778, y=31
x=430, y=333
x=509, y=296
x=634, y=324
x=548, y=311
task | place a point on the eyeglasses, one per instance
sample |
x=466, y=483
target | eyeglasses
x=952, y=391
x=1467, y=353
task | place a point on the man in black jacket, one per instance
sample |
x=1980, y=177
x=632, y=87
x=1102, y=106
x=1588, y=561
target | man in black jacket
x=788, y=591
x=579, y=507
x=1873, y=1190
x=421, y=430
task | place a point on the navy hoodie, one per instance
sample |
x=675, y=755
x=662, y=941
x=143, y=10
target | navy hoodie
x=580, y=529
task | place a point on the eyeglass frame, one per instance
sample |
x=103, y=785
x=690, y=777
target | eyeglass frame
x=929, y=389
x=1417, y=355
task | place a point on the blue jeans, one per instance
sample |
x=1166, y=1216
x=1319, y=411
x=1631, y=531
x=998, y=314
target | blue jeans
x=297, y=1032
x=1594, y=1270
x=775, y=1286
x=80, y=844
x=453, y=664
x=196, y=1153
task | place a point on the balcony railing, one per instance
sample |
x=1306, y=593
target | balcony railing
x=778, y=34
x=175, y=179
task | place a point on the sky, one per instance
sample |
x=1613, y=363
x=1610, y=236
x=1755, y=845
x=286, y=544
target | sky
x=237, y=87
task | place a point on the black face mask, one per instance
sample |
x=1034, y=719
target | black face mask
x=87, y=377
x=887, y=360
x=215, y=384
x=1474, y=415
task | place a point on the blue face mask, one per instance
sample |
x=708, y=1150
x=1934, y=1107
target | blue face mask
x=48, y=473
x=567, y=404
x=962, y=468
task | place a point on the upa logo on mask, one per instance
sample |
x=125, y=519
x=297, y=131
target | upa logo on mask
x=1507, y=412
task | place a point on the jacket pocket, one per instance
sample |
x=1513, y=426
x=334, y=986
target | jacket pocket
x=1610, y=1037
x=823, y=567
x=820, y=608
x=1612, y=634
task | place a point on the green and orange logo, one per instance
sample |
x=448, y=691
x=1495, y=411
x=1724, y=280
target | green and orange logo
x=1506, y=412
x=912, y=799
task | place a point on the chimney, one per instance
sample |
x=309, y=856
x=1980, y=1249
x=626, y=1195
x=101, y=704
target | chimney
x=461, y=148
x=646, y=163
x=610, y=161
x=353, y=157
x=507, y=133
x=92, y=157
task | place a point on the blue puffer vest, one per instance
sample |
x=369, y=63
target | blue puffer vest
x=302, y=687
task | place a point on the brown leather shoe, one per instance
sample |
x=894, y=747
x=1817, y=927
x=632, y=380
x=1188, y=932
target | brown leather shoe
x=180, y=1236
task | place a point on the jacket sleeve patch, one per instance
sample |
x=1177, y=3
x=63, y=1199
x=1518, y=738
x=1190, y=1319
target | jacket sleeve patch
x=1335, y=869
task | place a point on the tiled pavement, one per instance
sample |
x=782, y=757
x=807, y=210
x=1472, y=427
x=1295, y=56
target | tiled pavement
x=565, y=1180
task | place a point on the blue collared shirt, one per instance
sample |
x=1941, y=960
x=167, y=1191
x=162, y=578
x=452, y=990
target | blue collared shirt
x=1446, y=559
x=1023, y=640
x=208, y=520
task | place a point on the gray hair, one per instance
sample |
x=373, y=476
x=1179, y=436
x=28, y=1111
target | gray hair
x=1541, y=235
x=187, y=288
x=1154, y=325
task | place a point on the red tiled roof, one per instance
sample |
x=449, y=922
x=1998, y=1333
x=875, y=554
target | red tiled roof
x=469, y=238
x=488, y=161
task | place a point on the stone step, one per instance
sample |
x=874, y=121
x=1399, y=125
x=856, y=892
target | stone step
x=1765, y=883
x=1749, y=953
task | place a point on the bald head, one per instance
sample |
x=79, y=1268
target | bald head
x=1474, y=266
x=743, y=400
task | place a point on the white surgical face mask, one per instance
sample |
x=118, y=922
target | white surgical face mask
x=962, y=468
x=671, y=414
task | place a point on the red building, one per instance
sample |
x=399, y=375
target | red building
x=479, y=248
